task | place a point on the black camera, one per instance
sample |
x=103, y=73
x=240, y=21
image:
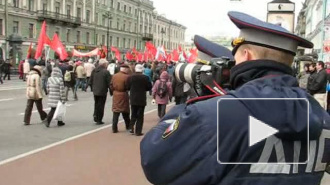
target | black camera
x=206, y=77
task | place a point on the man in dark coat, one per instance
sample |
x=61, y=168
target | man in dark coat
x=138, y=84
x=317, y=82
x=100, y=81
x=6, y=69
x=179, y=94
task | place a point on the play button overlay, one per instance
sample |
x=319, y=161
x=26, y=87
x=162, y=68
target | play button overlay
x=263, y=131
x=259, y=131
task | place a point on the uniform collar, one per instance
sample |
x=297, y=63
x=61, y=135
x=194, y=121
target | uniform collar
x=251, y=70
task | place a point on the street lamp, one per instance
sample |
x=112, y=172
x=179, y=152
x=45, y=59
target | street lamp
x=109, y=16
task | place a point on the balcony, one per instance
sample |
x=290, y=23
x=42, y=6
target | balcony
x=147, y=37
x=61, y=18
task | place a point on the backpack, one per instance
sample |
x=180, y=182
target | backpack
x=67, y=76
x=162, y=89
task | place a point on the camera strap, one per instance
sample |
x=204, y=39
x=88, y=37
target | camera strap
x=211, y=84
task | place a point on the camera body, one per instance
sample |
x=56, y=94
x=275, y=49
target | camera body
x=206, y=77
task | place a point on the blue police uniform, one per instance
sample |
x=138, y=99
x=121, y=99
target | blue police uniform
x=182, y=149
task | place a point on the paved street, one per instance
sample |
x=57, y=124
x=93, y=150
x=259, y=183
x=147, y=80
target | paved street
x=78, y=153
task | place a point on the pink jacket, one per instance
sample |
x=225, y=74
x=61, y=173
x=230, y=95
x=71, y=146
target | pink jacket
x=163, y=77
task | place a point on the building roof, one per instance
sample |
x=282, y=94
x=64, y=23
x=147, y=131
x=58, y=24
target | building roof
x=281, y=1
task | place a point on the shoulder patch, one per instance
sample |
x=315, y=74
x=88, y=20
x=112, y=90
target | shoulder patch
x=172, y=128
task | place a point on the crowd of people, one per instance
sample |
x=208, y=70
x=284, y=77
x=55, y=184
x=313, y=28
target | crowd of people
x=314, y=80
x=127, y=82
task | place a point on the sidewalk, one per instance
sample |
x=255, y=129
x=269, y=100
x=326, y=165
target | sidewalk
x=100, y=158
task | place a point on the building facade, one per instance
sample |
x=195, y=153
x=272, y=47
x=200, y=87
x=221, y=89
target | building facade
x=83, y=24
x=315, y=20
x=168, y=33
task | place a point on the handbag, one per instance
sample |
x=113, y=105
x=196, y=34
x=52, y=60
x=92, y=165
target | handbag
x=60, y=111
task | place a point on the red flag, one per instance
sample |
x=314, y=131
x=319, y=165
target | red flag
x=184, y=55
x=175, y=55
x=168, y=58
x=117, y=53
x=146, y=55
x=193, y=55
x=139, y=57
x=151, y=48
x=58, y=47
x=42, y=40
x=180, y=48
x=129, y=56
x=29, y=51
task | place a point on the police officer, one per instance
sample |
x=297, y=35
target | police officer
x=183, y=148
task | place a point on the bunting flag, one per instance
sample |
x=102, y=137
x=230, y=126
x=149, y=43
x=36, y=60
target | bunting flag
x=94, y=52
x=29, y=51
x=58, y=47
x=42, y=40
x=117, y=53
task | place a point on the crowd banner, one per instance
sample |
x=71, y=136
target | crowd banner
x=89, y=54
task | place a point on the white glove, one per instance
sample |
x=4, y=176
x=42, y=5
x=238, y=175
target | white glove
x=153, y=102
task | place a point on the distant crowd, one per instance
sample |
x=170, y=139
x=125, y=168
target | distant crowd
x=127, y=82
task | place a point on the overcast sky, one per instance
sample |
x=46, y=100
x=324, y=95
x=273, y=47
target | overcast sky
x=209, y=17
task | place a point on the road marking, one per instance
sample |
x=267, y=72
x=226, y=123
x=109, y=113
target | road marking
x=64, y=141
x=13, y=88
x=8, y=99
x=47, y=109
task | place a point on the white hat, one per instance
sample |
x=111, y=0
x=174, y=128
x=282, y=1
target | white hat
x=90, y=60
x=138, y=68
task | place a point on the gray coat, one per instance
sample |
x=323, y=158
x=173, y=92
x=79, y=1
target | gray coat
x=55, y=88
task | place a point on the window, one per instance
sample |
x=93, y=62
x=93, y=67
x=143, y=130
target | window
x=15, y=26
x=79, y=12
x=129, y=26
x=88, y=16
x=31, y=5
x=135, y=43
x=68, y=35
x=97, y=18
x=68, y=10
x=150, y=29
x=124, y=26
x=31, y=30
x=118, y=6
x=44, y=7
x=125, y=8
x=78, y=36
x=129, y=43
x=96, y=39
x=135, y=27
x=57, y=7
x=110, y=42
x=103, y=39
x=124, y=43
x=136, y=12
x=1, y=26
x=118, y=20
x=118, y=44
x=87, y=38
x=103, y=20
x=58, y=31
x=130, y=10
x=111, y=3
x=16, y=3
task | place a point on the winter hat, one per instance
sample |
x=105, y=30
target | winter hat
x=164, y=76
x=138, y=68
x=90, y=60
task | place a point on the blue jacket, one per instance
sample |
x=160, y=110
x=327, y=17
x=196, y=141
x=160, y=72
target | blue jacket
x=187, y=155
x=148, y=73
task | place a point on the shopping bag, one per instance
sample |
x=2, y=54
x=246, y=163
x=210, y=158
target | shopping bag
x=60, y=111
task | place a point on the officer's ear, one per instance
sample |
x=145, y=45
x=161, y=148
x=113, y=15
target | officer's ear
x=243, y=54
